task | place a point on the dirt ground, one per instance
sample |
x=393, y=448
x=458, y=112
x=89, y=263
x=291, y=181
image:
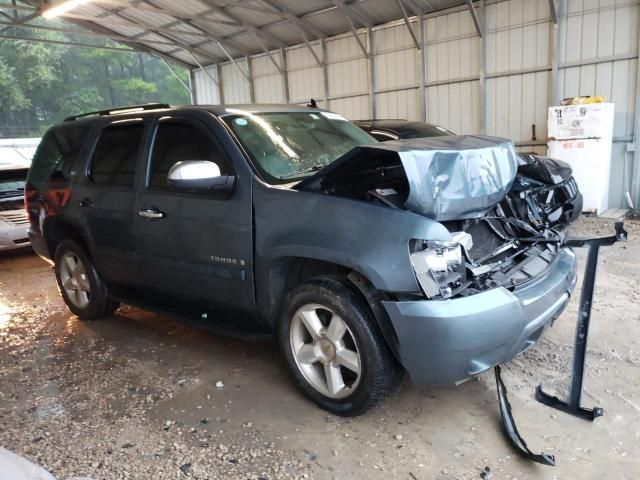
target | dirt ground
x=135, y=396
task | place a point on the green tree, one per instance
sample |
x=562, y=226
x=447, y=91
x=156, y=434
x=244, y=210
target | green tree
x=135, y=90
x=173, y=88
x=41, y=83
x=81, y=99
x=12, y=97
x=29, y=72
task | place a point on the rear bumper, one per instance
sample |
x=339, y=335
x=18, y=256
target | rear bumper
x=39, y=244
x=448, y=341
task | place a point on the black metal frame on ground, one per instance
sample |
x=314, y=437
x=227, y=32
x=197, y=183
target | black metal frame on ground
x=572, y=405
x=511, y=430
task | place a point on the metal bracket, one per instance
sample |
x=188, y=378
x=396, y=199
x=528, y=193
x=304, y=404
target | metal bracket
x=345, y=13
x=572, y=405
x=405, y=16
x=512, y=431
x=474, y=17
x=553, y=11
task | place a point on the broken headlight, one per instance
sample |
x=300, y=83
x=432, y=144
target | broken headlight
x=439, y=266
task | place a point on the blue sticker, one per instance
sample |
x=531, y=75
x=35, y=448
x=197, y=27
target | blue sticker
x=241, y=121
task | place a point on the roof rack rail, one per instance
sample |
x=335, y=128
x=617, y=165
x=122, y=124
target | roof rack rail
x=119, y=110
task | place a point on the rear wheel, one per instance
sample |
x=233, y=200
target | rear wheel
x=334, y=348
x=80, y=285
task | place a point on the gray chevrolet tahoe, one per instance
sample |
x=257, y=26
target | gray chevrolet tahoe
x=441, y=257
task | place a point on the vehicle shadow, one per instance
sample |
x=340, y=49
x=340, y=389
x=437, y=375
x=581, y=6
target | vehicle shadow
x=18, y=252
x=254, y=373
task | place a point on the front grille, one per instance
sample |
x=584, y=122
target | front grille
x=21, y=241
x=570, y=188
x=11, y=205
x=550, y=199
x=14, y=217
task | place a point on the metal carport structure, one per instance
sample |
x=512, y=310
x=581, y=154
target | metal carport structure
x=215, y=31
x=487, y=66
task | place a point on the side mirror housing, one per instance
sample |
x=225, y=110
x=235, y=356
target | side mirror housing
x=199, y=176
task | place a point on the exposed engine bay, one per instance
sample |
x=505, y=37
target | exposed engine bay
x=507, y=212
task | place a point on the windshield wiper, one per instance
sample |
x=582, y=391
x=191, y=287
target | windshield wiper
x=315, y=168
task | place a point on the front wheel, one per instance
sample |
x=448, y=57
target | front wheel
x=334, y=348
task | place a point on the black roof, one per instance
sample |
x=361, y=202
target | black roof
x=218, y=110
x=402, y=128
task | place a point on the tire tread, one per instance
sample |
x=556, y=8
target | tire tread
x=385, y=372
x=100, y=304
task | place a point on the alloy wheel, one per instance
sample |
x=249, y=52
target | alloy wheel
x=75, y=280
x=325, y=351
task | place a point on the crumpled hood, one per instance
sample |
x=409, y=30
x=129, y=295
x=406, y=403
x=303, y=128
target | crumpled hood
x=544, y=169
x=449, y=177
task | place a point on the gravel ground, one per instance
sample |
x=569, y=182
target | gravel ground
x=142, y=396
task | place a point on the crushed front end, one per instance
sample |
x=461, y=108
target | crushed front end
x=511, y=244
x=488, y=293
x=500, y=282
x=488, y=319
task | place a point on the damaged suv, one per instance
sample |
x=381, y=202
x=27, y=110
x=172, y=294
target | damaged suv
x=366, y=259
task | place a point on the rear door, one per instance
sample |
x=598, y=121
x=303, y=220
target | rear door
x=198, y=250
x=107, y=199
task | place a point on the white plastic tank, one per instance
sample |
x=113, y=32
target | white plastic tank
x=581, y=135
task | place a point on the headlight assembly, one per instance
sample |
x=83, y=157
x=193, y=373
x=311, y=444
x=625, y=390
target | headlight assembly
x=439, y=266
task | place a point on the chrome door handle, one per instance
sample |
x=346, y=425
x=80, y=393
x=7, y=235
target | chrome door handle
x=151, y=213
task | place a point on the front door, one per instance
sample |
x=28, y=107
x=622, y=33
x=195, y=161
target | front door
x=195, y=248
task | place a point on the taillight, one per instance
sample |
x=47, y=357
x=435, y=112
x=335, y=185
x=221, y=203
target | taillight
x=29, y=192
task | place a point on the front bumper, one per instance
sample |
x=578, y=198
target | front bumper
x=13, y=237
x=442, y=342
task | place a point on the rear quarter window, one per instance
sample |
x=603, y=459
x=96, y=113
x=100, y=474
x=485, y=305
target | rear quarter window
x=58, y=153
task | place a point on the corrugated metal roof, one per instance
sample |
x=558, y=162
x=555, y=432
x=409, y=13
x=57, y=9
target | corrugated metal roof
x=185, y=7
x=213, y=30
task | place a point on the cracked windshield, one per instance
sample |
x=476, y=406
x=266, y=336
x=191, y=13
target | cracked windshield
x=287, y=146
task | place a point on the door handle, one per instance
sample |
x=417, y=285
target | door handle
x=151, y=213
x=86, y=202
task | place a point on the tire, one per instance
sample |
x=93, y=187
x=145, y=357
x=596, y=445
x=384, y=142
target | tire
x=319, y=360
x=80, y=285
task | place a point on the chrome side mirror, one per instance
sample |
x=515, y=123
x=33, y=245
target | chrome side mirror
x=199, y=176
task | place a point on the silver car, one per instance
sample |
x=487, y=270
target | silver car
x=13, y=217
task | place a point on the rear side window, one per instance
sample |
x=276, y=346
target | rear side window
x=57, y=153
x=177, y=141
x=115, y=156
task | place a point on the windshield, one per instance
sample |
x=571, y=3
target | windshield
x=287, y=146
x=12, y=183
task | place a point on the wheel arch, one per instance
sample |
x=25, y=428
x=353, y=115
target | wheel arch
x=55, y=230
x=286, y=273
